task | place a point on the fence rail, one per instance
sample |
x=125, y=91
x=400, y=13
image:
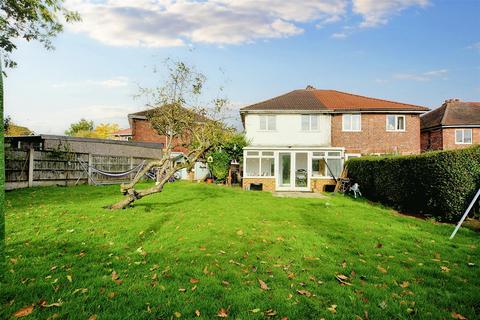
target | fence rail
x=42, y=168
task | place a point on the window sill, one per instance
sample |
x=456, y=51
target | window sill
x=395, y=130
x=351, y=130
x=465, y=143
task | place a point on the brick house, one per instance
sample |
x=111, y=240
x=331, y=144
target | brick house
x=142, y=130
x=299, y=141
x=454, y=125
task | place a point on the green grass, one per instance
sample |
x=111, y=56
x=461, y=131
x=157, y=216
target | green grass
x=228, y=239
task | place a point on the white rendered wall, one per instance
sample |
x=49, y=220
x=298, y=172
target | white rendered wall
x=288, y=131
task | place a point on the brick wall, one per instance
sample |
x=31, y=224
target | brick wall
x=319, y=184
x=268, y=183
x=143, y=131
x=374, y=138
x=431, y=140
x=449, y=139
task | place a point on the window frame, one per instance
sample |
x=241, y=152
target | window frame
x=463, y=136
x=351, y=115
x=326, y=156
x=396, y=117
x=310, y=121
x=269, y=154
x=268, y=124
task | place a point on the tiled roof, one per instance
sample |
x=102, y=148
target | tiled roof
x=329, y=100
x=452, y=113
x=127, y=131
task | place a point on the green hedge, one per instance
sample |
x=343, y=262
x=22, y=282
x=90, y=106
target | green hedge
x=440, y=183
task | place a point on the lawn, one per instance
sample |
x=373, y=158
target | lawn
x=198, y=249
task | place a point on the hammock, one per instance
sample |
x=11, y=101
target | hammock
x=87, y=168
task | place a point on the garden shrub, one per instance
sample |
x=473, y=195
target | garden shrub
x=440, y=183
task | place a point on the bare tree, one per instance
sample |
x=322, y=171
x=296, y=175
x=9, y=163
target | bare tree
x=176, y=113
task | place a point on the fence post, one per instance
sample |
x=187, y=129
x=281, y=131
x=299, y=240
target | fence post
x=90, y=165
x=31, y=153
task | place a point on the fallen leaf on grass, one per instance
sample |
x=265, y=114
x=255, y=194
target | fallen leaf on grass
x=263, y=285
x=69, y=278
x=116, y=277
x=194, y=288
x=222, y=313
x=332, y=308
x=182, y=289
x=193, y=280
x=177, y=314
x=93, y=317
x=383, y=305
x=24, y=312
x=240, y=232
x=44, y=304
x=304, y=293
x=270, y=313
x=255, y=310
x=382, y=270
x=458, y=316
x=197, y=313
x=342, y=279
x=404, y=284
x=344, y=264
x=445, y=269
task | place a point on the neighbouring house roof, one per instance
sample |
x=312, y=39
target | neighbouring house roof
x=142, y=115
x=311, y=99
x=123, y=132
x=452, y=113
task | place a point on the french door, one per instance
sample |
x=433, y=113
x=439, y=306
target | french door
x=293, y=172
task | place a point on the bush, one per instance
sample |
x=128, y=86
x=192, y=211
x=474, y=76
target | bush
x=440, y=183
x=220, y=164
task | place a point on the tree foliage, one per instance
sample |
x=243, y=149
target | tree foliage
x=224, y=153
x=12, y=129
x=38, y=20
x=177, y=112
x=87, y=129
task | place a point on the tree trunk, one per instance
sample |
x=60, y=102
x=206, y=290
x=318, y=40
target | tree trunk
x=166, y=166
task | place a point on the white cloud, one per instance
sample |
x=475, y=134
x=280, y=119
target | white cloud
x=378, y=12
x=425, y=76
x=474, y=46
x=108, y=83
x=165, y=23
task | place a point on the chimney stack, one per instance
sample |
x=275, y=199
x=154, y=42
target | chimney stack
x=309, y=87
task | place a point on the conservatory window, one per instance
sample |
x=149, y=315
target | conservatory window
x=260, y=164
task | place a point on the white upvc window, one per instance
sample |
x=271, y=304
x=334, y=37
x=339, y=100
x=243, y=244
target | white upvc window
x=325, y=164
x=268, y=122
x=259, y=164
x=309, y=122
x=395, y=122
x=463, y=136
x=352, y=122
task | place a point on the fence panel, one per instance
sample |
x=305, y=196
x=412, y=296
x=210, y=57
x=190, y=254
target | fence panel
x=16, y=165
x=63, y=166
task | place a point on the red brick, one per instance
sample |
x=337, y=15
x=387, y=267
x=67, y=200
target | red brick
x=374, y=138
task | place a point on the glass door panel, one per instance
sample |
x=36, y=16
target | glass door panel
x=301, y=170
x=285, y=172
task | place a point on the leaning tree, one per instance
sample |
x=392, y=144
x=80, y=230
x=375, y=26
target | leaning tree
x=177, y=111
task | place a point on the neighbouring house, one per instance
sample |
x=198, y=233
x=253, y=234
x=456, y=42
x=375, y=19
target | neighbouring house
x=123, y=134
x=454, y=125
x=299, y=141
x=142, y=130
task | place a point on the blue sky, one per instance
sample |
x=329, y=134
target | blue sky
x=414, y=51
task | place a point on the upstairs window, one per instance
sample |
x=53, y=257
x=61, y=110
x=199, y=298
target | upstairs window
x=352, y=122
x=395, y=123
x=309, y=122
x=268, y=123
x=463, y=136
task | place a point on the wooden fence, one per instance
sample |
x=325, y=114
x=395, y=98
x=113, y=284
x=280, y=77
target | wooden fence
x=42, y=168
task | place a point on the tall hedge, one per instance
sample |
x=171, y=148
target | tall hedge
x=440, y=183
